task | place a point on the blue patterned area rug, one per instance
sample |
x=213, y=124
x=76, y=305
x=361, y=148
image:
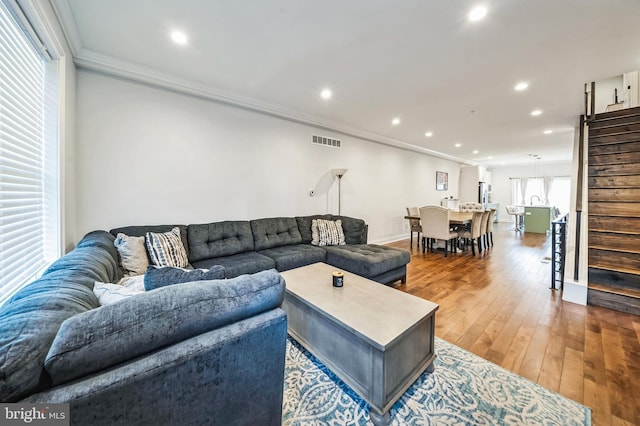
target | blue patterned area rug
x=464, y=390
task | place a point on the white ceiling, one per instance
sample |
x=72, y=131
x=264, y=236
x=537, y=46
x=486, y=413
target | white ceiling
x=420, y=60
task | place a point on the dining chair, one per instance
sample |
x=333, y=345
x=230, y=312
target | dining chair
x=484, y=227
x=472, y=234
x=414, y=225
x=490, y=226
x=470, y=207
x=435, y=225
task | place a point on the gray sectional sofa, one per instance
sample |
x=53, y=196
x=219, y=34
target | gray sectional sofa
x=206, y=352
x=282, y=243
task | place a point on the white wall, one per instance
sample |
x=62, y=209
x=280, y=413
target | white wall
x=152, y=156
x=501, y=182
x=605, y=92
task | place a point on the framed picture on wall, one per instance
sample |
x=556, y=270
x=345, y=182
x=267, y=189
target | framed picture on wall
x=442, y=181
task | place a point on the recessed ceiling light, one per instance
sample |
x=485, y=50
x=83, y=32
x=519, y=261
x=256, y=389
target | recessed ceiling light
x=428, y=134
x=548, y=132
x=326, y=94
x=477, y=13
x=395, y=121
x=536, y=112
x=458, y=145
x=475, y=151
x=490, y=157
x=521, y=86
x=179, y=37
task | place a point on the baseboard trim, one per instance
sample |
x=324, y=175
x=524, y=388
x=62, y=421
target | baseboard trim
x=575, y=292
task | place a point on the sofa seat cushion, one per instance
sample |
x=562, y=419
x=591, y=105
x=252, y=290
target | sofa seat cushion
x=107, y=336
x=367, y=260
x=289, y=257
x=238, y=264
x=275, y=232
x=219, y=239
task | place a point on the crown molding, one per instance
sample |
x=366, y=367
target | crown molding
x=68, y=23
x=109, y=65
x=112, y=66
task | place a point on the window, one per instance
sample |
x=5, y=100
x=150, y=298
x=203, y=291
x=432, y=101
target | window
x=560, y=193
x=534, y=188
x=29, y=177
x=516, y=192
x=554, y=191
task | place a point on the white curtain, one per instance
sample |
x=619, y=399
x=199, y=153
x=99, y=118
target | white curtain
x=546, y=187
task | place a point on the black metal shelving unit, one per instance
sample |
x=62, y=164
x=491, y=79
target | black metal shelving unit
x=558, y=251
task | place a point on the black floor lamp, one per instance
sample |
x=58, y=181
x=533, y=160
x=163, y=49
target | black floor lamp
x=338, y=173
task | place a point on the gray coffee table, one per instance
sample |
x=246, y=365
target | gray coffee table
x=377, y=339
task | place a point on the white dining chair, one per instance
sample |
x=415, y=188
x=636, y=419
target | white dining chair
x=472, y=234
x=435, y=226
x=484, y=228
x=490, y=227
x=470, y=207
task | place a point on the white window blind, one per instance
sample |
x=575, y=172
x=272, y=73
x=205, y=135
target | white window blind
x=23, y=222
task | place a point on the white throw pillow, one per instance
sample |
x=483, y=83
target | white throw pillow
x=108, y=293
x=135, y=283
x=133, y=254
x=327, y=232
x=166, y=249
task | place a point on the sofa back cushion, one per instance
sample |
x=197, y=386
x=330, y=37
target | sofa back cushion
x=355, y=230
x=275, y=232
x=30, y=320
x=115, y=333
x=218, y=239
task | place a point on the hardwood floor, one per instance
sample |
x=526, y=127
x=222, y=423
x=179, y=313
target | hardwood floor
x=498, y=305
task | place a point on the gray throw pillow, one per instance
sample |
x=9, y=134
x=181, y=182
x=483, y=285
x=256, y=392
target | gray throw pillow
x=133, y=254
x=160, y=277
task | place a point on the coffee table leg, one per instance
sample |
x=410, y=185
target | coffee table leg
x=379, y=419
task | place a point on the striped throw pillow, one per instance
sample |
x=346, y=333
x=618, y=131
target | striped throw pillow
x=166, y=249
x=327, y=232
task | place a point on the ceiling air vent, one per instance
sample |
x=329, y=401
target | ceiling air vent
x=322, y=140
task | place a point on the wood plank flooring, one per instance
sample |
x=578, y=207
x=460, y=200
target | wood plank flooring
x=498, y=305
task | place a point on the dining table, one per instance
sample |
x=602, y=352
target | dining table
x=455, y=218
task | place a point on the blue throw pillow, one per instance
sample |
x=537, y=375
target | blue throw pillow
x=160, y=277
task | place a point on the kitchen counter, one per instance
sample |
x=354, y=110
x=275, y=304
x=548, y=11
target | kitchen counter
x=537, y=219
